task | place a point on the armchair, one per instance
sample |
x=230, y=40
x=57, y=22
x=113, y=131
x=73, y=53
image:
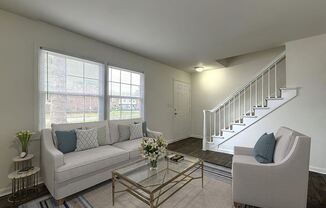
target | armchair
x=283, y=183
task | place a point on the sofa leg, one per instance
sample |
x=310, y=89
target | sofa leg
x=59, y=202
x=236, y=205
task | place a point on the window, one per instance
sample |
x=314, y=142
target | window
x=125, y=94
x=71, y=90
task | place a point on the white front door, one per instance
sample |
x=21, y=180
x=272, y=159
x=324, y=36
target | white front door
x=181, y=102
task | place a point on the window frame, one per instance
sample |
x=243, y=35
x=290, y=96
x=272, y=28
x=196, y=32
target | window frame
x=42, y=94
x=141, y=97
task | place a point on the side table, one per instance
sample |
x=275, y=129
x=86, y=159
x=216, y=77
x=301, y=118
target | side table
x=23, y=182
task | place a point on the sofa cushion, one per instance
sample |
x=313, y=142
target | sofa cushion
x=136, y=131
x=264, y=148
x=131, y=146
x=88, y=161
x=114, y=132
x=99, y=125
x=86, y=139
x=66, y=141
x=124, y=132
x=72, y=126
x=284, y=141
x=63, y=127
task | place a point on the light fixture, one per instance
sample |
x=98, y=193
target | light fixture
x=199, y=68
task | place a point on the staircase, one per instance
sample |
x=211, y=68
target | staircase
x=246, y=106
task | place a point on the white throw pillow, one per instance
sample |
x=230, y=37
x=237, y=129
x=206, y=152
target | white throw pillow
x=86, y=139
x=136, y=131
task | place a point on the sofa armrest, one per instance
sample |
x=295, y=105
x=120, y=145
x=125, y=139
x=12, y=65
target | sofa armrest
x=154, y=134
x=51, y=159
x=242, y=150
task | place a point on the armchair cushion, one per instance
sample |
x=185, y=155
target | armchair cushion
x=264, y=148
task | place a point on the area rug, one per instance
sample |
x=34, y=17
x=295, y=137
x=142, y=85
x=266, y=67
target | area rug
x=215, y=194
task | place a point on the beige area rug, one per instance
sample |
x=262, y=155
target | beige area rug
x=215, y=194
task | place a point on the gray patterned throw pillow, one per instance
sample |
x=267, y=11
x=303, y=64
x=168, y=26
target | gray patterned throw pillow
x=86, y=139
x=136, y=131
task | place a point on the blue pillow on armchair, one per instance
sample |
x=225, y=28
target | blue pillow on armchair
x=264, y=148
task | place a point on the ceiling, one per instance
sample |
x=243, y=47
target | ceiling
x=182, y=33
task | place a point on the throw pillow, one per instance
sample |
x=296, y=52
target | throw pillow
x=144, y=127
x=66, y=141
x=101, y=135
x=264, y=148
x=124, y=132
x=136, y=131
x=86, y=139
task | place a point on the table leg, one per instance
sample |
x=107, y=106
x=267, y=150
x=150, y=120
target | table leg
x=151, y=201
x=113, y=187
x=202, y=174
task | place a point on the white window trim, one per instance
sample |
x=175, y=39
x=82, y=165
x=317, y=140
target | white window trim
x=40, y=125
x=142, y=97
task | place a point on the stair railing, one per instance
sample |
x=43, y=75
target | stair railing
x=240, y=103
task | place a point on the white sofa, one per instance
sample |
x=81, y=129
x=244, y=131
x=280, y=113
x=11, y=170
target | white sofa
x=66, y=174
x=282, y=184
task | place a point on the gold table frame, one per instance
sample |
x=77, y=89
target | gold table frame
x=148, y=197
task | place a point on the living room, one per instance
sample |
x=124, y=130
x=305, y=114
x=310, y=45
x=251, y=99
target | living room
x=203, y=81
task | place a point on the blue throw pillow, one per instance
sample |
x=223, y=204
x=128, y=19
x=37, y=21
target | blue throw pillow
x=67, y=141
x=264, y=148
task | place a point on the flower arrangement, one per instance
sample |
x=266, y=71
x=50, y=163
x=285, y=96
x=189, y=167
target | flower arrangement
x=152, y=148
x=24, y=137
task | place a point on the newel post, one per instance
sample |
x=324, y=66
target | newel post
x=204, y=131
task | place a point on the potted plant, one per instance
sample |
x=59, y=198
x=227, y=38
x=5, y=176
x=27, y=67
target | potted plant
x=24, y=137
x=152, y=149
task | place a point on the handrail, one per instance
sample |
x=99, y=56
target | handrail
x=267, y=67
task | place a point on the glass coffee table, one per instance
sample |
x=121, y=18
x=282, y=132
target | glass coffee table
x=154, y=187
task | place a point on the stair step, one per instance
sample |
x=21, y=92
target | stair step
x=246, y=116
x=240, y=124
x=227, y=130
x=274, y=98
x=257, y=107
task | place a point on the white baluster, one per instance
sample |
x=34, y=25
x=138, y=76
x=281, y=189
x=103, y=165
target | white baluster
x=268, y=83
x=275, y=81
x=244, y=101
x=219, y=122
x=239, y=107
x=256, y=86
x=262, y=89
x=224, y=117
x=234, y=115
x=229, y=113
x=250, y=106
x=215, y=122
x=204, y=131
x=210, y=126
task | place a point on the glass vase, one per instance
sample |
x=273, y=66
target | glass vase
x=153, y=164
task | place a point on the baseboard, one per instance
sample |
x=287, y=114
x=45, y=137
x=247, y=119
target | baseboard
x=173, y=140
x=197, y=136
x=7, y=190
x=318, y=170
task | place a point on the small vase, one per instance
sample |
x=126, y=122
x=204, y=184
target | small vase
x=25, y=148
x=153, y=164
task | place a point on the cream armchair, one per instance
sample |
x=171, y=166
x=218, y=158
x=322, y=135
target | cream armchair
x=282, y=184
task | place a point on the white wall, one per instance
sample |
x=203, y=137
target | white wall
x=209, y=88
x=305, y=68
x=20, y=39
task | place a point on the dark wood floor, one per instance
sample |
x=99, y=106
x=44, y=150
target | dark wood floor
x=192, y=146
